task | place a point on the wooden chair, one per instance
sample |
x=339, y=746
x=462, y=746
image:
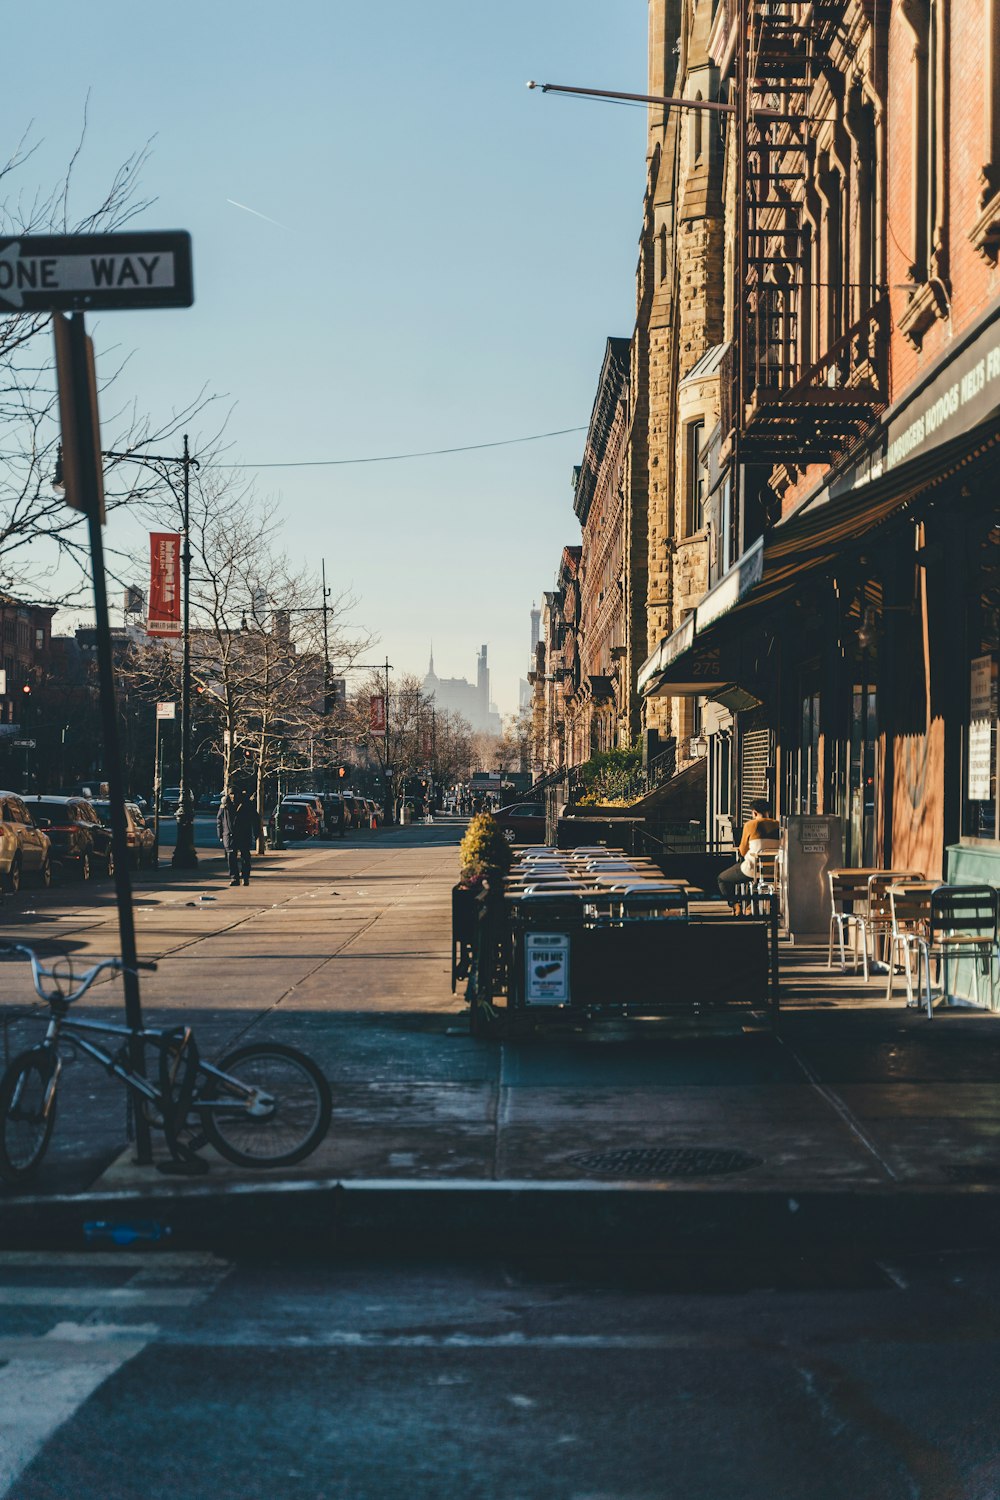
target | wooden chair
x=848, y=890
x=909, y=910
x=875, y=918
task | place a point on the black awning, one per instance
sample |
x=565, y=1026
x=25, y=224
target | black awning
x=709, y=649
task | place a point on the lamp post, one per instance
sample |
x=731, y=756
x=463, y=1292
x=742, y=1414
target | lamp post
x=185, y=856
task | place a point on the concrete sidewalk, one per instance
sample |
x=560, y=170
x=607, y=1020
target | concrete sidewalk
x=855, y=1119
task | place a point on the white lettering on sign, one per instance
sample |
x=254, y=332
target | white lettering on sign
x=80, y=273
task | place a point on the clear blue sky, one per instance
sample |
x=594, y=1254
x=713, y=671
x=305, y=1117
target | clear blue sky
x=456, y=251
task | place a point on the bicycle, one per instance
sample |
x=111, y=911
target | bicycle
x=262, y=1105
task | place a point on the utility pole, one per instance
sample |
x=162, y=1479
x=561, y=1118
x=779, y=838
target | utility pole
x=185, y=856
x=326, y=681
x=387, y=808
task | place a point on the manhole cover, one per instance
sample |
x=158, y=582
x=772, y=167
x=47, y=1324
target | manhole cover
x=972, y=1172
x=665, y=1161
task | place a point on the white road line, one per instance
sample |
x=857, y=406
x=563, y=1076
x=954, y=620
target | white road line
x=99, y=1296
x=39, y=1392
x=43, y=1381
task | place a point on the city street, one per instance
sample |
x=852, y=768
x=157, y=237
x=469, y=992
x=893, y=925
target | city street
x=769, y=1333
x=131, y=1376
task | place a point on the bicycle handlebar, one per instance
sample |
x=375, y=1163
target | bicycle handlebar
x=38, y=973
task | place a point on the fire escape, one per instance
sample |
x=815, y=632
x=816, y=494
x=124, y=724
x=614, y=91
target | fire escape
x=808, y=370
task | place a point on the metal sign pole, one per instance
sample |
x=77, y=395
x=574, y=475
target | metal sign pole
x=81, y=445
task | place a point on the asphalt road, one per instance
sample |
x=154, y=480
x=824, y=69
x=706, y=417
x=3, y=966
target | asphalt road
x=128, y=1377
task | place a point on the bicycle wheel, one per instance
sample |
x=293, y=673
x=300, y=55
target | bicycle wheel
x=287, y=1129
x=25, y=1128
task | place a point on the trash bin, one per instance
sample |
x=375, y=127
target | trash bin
x=810, y=848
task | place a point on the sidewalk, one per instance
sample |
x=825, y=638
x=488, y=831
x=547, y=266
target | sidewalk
x=855, y=1121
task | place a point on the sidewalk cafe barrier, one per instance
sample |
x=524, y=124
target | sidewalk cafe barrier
x=544, y=954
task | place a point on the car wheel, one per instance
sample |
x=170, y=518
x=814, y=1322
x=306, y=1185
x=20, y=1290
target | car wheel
x=84, y=866
x=14, y=875
x=110, y=864
x=45, y=875
x=508, y=834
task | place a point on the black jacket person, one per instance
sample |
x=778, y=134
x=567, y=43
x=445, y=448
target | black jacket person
x=239, y=828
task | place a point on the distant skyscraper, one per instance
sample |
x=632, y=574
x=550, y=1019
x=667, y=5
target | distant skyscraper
x=470, y=699
x=536, y=629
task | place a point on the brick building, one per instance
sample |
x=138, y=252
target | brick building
x=844, y=655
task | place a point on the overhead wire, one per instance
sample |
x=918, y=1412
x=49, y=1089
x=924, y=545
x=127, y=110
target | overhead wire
x=391, y=458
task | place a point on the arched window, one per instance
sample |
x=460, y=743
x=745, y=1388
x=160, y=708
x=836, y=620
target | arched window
x=663, y=252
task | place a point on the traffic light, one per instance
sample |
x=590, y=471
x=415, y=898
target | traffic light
x=341, y=771
x=26, y=688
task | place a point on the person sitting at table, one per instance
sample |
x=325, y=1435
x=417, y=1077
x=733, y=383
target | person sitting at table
x=759, y=831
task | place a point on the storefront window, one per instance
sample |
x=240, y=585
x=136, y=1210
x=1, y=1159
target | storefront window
x=979, y=819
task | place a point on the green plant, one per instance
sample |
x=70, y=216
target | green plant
x=484, y=850
x=609, y=774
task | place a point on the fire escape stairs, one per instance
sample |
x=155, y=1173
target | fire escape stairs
x=784, y=409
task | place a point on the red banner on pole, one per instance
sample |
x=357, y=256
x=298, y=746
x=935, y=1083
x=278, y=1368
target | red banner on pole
x=164, y=583
x=376, y=717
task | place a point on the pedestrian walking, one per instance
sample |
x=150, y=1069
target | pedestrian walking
x=239, y=829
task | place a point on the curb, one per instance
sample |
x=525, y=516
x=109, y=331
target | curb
x=326, y=1217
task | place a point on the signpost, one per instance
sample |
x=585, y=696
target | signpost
x=97, y=272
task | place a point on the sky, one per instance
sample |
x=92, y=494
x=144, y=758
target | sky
x=448, y=254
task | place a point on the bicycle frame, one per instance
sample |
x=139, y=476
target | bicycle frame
x=257, y=1104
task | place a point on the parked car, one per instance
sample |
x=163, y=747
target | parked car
x=374, y=813
x=80, y=841
x=39, y=823
x=25, y=849
x=356, y=810
x=522, y=823
x=298, y=818
x=170, y=798
x=137, y=831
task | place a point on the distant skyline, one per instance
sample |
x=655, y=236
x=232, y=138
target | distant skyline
x=397, y=247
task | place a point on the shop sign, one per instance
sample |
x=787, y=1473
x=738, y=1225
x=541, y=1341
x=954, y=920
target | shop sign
x=982, y=724
x=965, y=392
x=546, y=968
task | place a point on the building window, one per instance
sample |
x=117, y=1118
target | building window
x=663, y=252
x=979, y=799
x=39, y=639
x=695, y=507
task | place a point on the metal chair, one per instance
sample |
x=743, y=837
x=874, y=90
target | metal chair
x=875, y=918
x=847, y=887
x=909, y=912
x=963, y=924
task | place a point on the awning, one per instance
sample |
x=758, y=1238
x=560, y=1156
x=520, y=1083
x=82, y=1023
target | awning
x=701, y=656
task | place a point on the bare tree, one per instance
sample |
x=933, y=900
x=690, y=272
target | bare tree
x=29, y=507
x=258, y=663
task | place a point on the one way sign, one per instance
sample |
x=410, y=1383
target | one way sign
x=95, y=272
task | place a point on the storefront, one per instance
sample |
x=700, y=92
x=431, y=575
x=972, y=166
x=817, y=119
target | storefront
x=859, y=641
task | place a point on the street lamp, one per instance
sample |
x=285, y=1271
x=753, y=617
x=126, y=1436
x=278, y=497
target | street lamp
x=185, y=856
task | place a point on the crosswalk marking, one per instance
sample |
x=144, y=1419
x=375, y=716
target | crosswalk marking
x=45, y=1379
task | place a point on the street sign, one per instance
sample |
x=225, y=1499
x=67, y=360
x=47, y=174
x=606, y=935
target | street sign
x=166, y=710
x=95, y=272
x=24, y=744
x=79, y=420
